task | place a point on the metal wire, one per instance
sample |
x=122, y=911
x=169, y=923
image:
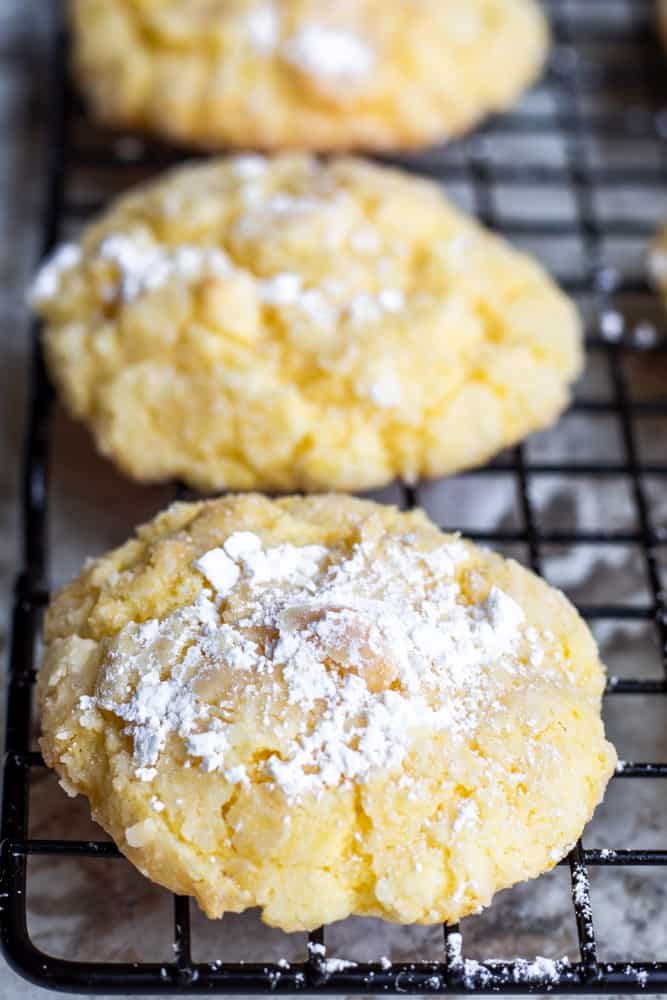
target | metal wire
x=570, y=83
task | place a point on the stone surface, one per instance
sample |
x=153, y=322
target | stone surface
x=98, y=909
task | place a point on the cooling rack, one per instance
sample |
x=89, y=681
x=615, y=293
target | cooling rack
x=604, y=91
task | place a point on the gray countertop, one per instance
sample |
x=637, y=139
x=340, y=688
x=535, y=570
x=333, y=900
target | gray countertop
x=86, y=909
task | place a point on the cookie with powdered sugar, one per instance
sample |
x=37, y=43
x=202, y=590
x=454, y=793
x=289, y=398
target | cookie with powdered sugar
x=284, y=324
x=310, y=74
x=323, y=707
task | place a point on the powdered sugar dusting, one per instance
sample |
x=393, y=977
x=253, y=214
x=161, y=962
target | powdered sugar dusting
x=132, y=262
x=263, y=27
x=387, y=391
x=329, y=54
x=282, y=290
x=467, y=816
x=139, y=267
x=250, y=166
x=47, y=283
x=220, y=571
x=331, y=965
x=539, y=971
x=356, y=651
x=581, y=889
x=143, y=268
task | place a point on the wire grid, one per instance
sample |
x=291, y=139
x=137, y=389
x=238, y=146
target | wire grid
x=570, y=109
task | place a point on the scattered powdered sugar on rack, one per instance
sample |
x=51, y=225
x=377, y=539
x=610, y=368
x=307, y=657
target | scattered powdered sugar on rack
x=475, y=975
x=539, y=970
x=581, y=889
x=330, y=965
x=612, y=325
x=645, y=335
x=641, y=975
x=356, y=651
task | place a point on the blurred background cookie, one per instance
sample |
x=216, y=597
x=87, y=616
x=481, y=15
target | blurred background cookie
x=311, y=74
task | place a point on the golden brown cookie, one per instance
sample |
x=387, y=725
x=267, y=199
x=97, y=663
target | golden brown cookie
x=285, y=325
x=323, y=707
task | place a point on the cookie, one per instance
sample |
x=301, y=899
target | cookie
x=286, y=325
x=323, y=706
x=307, y=74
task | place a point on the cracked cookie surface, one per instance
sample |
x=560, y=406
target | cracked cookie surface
x=306, y=74
x=286, y=325
x=322, y=707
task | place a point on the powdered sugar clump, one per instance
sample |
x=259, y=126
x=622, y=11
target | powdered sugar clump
x=220, y=571
x=477, y=975
x=612, y=325
x=283, y=289
x=140, y=267
x=366, y=308
x=331, y=965
x=284, y=562
x=349, y=654
x=318, y=51
x=329, y=54
x=47, y=283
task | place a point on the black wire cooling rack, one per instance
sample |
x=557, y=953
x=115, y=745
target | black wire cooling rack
x=605, y=87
